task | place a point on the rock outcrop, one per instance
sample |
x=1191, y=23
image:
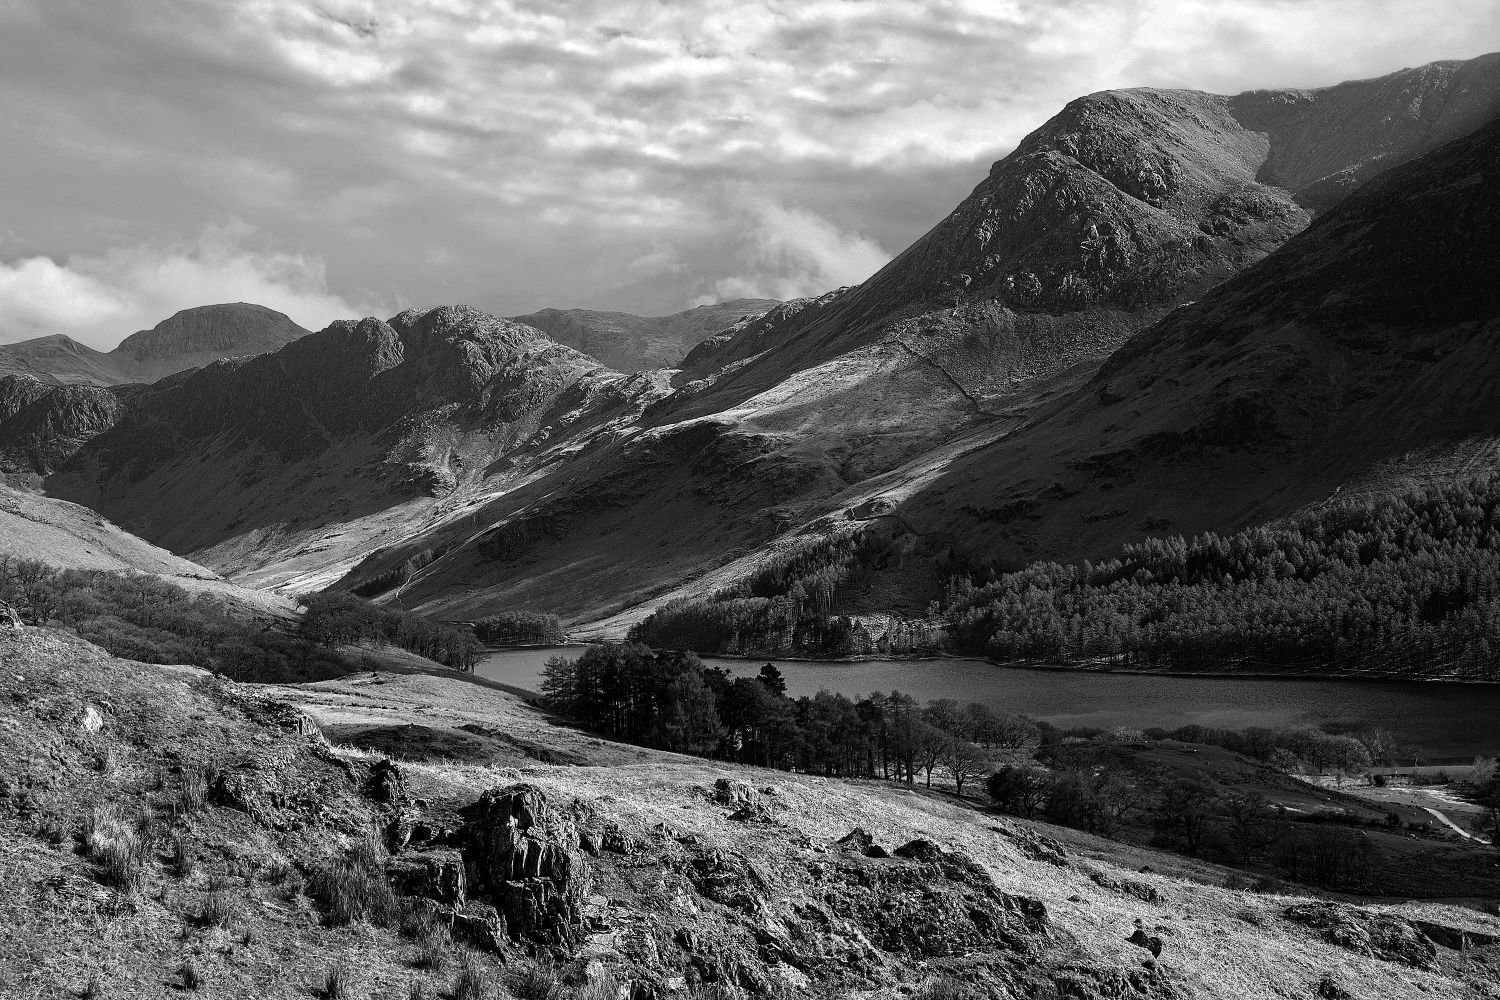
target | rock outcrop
x=521, y=855
x=1378, y=935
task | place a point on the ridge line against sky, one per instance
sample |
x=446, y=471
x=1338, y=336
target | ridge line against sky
x=347, y=157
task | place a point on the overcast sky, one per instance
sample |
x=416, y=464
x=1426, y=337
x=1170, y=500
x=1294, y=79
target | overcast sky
x=346, y=157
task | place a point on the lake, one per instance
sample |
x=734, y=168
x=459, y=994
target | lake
x=1450, y=722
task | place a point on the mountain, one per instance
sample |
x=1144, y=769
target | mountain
x=826, y=412
x=456, y=463
x=629, y=343
x=289, y=466
x=191, y=338
x=1364, y=352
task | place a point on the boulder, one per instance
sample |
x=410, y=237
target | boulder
x=733, y=793
x=858, y=841
x=1456, y=938
x=521, y=853
x=1150, y=942
x=921, y=849
x=90, y=720
x=1378, y=935
x=435, y=875
x=385, y=783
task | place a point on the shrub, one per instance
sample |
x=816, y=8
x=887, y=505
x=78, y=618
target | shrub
x=114, y=845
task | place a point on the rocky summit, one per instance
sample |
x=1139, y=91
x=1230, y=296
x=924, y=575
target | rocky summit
x=188, y=339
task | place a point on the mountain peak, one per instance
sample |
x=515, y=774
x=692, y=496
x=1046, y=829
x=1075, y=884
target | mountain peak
x=226, y=329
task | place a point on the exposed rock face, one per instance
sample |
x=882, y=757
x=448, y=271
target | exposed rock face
x=191, y=338
x=473, y=463
x=1378, y=935
x=521, y=853
x=251, y=462
x=1102, y=221
x=42, y=425
x=1261, y=397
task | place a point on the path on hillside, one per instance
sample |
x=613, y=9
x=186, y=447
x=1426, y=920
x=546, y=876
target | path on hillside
x=1454, y=826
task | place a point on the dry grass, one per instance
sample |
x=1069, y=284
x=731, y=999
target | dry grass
x=540, y=982
x=181, y=858
x=432, y=936
x=473, y=981
x=350, y=892
x=338, y=983
x=602, y=987
x=116, y=846
x=217, y=909
x=192, y=795
x=191, y=975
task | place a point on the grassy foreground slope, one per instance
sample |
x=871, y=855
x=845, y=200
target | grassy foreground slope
x=68, y=536
x=164, y=833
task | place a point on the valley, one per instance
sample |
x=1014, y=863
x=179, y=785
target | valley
x=1099, y=601
x=1443, y=723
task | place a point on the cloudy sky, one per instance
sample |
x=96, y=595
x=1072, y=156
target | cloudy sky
x=338, y=157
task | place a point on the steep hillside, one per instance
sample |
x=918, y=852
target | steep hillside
x=456, y=463
x=281, y=467
x=66, y=536
x=191, y=338
x=45, y=422
x=629, y=343
x=829, y=411
x=1365, y=349
x=164, y=832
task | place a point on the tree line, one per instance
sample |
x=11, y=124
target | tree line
x=145, y=618
x=1406, y=585
x=335, y=618
x=787, y=607
x=670, y=700
x=520, y=628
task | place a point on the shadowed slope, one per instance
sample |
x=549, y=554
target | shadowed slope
x=1360, y=349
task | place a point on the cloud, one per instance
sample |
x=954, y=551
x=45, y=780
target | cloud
x=789, y=252
x=101, y=299
x=516, y=154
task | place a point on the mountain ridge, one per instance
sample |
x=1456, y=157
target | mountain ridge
x=189, y=338
x=454, y=472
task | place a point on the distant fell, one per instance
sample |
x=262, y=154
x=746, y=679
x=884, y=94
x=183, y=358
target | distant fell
x=188, y=339
x=628, y=343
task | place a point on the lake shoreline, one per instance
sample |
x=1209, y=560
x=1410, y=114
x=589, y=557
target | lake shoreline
x=1061, y=668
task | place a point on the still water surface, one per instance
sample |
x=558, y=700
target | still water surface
x=1451, y=722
